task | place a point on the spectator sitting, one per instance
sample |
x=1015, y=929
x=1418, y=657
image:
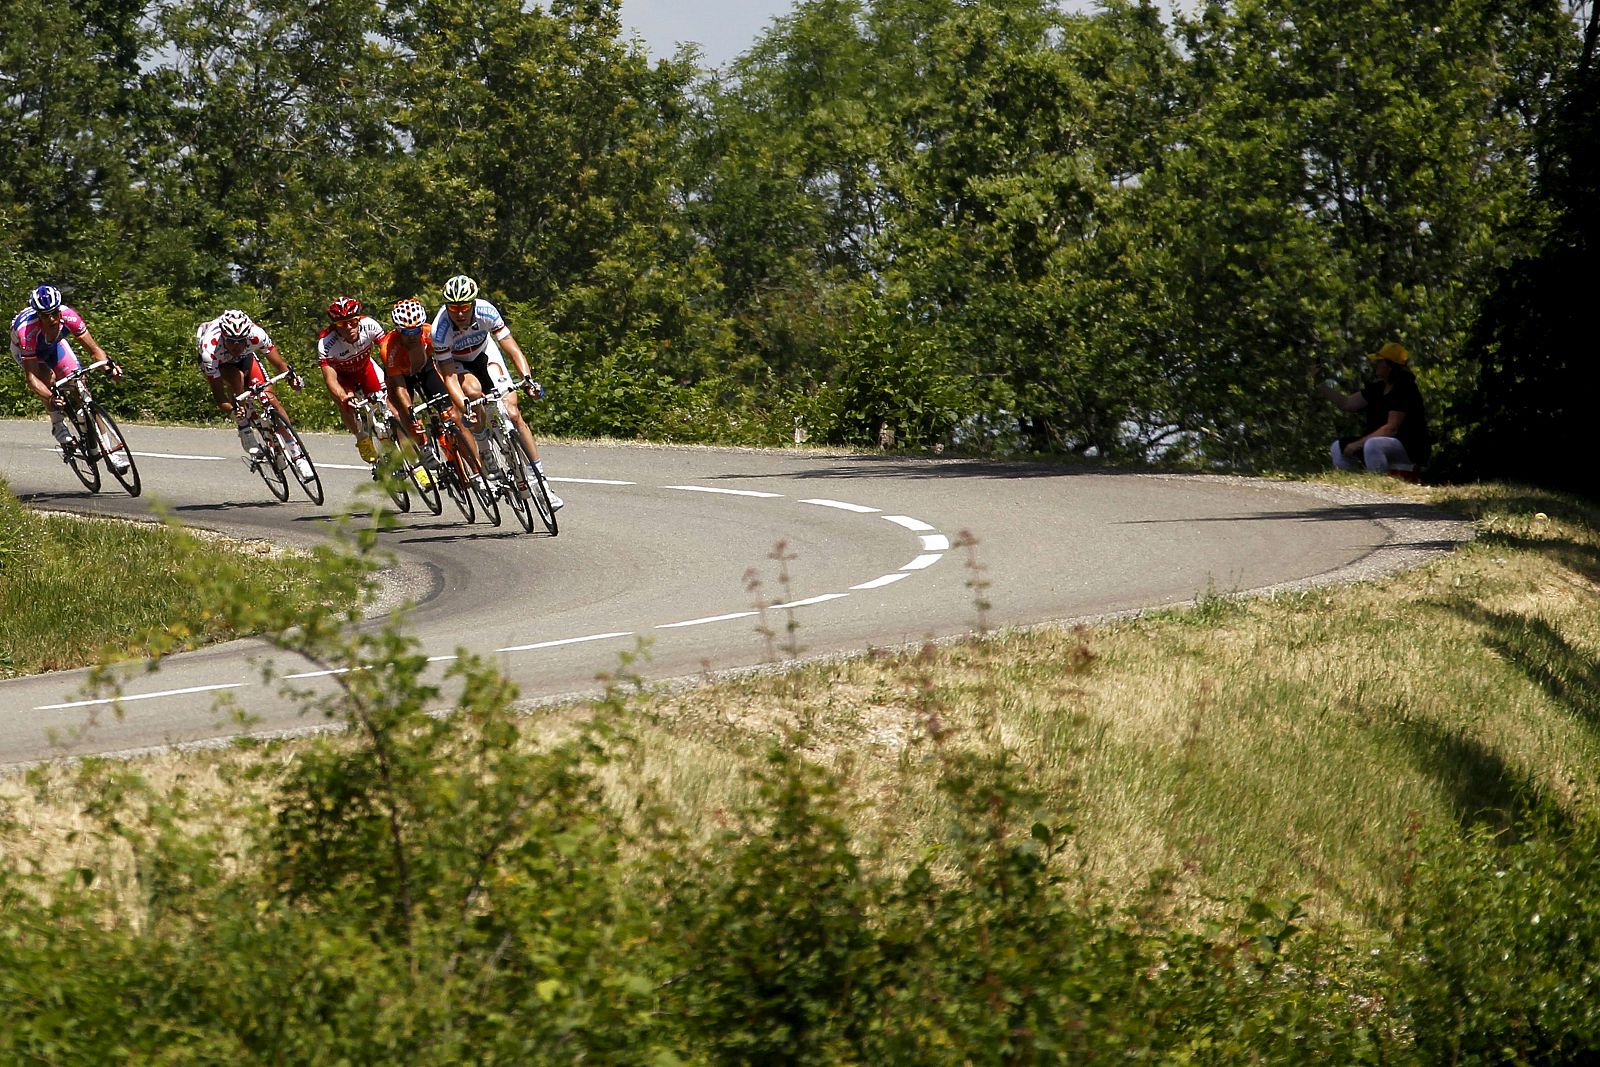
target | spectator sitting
x=1395, y=437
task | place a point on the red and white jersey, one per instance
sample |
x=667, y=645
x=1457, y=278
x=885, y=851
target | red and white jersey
x=334, y=351
x=208, y=338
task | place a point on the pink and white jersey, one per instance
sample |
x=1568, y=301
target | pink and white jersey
x=27, y=331
x=208, y=338
x=334, y=351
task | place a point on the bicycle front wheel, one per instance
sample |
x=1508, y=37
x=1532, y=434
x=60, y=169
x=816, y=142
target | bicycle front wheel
x=80, y=457
x=115, y=452
x=427, y=485
x=483, y=486
x=458, y=482
x=541, y=501
x=271, y=466
x=310, y=481
x=390, y=471
x=519, y=484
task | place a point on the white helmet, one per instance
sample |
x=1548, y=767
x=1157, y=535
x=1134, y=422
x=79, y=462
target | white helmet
x=235, y=324
x=460, y=289
x=408, y=314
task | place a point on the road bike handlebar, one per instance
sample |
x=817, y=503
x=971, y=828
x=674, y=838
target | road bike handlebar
x=79, y=373
x=258, y=388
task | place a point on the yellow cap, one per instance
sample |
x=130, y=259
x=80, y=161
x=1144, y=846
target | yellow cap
x=1394, y=352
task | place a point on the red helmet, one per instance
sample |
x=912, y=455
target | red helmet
x=346, y=307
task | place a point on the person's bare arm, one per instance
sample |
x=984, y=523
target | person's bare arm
x=1350, y=402
x=508, y=343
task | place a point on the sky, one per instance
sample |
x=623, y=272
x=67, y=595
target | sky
x=722, y=28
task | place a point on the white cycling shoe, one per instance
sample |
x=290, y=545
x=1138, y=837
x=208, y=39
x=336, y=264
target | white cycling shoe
x=303, y=465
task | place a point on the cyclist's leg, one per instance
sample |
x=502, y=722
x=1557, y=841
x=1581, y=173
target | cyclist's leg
x=455, y=385
x=232, y=382
x=515, y=411
x=41, y=375
x=400, y=405
x=355, y=382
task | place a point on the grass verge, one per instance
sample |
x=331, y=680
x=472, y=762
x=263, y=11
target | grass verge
x=77, y=591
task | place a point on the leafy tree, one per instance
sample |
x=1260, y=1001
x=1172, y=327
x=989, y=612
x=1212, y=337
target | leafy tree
x=1532, y=345
x=1324, y=197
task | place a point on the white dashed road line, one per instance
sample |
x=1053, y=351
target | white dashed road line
x=860, y=509
x=887, y=579
x=707, y=619
x=141, y=696
x=723, y=492
x=565, y=641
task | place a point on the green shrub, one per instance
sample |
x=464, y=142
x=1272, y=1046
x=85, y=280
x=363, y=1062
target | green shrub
x=1499, y=948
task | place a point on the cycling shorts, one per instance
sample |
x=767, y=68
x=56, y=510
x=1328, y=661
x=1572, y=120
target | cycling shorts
x=426, y=382
x=57, y=356
x=364, y=378
x=251, y=369
x=482, y=368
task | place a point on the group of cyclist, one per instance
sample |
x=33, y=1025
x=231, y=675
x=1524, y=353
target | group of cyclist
x=459, y=354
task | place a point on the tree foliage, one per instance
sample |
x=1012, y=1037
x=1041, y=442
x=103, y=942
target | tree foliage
x=1124, y=237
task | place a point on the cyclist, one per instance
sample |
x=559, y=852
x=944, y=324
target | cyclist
x=410, y=369
x=465, y=331
x=40, y=344
x=344, y=351
x=230, y=346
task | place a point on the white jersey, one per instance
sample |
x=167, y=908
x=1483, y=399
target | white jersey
x=208, y=338
x=334, y=351
x=469, y=342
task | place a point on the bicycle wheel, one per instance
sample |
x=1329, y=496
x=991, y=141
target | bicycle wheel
x=310, y=484
x=488, y=499
x=80, y=457
x=456, y=477
x=541, y=502
x=115, y=452
x=519, y=493
x=428, y=463
x=534, y=490
x=271, y=466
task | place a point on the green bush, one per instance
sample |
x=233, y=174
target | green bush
x=1499, y=949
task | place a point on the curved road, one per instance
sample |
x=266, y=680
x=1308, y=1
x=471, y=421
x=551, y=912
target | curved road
x=659, y=544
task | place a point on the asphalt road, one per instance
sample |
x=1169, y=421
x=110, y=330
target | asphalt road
x=661, y=544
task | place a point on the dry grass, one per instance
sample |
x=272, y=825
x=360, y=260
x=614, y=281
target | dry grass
x=1290, y=744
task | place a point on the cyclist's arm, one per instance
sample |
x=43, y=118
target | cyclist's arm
x=96, y=353
x=508, y=343
x=452, y=386
x=330, y=378
x=219, y=393
x=275, y=357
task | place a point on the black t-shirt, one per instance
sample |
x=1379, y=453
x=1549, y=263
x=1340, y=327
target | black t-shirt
x=1404, y=397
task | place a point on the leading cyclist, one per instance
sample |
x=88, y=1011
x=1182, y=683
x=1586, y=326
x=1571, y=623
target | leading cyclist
x=230, y=346
x=40, y=344
x=462, y=331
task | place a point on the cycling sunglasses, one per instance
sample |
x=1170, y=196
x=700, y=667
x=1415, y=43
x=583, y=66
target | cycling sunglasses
x=411, y=331
x=464, y=306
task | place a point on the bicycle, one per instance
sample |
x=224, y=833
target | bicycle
x=281, y=447
x=96, y=438
x=507, y=461
x=372, y=415
x=446, y=458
